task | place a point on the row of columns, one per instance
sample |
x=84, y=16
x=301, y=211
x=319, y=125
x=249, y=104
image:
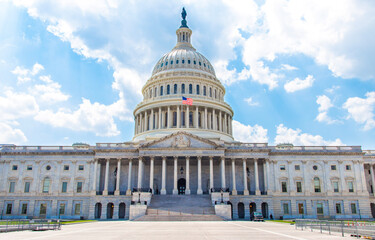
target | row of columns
x=372, y=178
x=175, y=169
x=143, y=122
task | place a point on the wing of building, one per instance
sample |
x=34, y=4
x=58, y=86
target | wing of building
x=183, y=159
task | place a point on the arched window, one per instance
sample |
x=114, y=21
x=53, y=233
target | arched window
x=190, y=88
x=183, y=88
x=155, y=92
x=177, y=61
x=188, y=61
x=197, y=89
x=195, y=62
x=151, y=93
x=210, y=92
x=204, y=91
x=175, y=89
x=317, y=184
x=161, y=90
x=168, y=89
x=166, y=63
x=183, y=61
x=46, y=183
x=215, y=93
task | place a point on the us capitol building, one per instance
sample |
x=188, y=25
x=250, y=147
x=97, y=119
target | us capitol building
x=184, y=157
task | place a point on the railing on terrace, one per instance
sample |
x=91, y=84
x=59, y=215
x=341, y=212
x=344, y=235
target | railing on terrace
x=369, y=152
x=317, y=148
x=114, y=145
x=247, y=145
x=352, y=228
x=46, y=148
x=12, y=225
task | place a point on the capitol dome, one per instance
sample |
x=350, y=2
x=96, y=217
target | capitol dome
x=183, y=72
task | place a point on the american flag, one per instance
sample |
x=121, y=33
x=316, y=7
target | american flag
x=188, y=101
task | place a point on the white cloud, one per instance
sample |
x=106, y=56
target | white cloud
x=10, y=135
x=324, y=102
x=299, y=84
x=24, y=74
x=288, y=67
x=297, y=138
x=251, y=101
x=332, y=89
x=361, y=110
x=247, y=133
x=49, y=93
x=15, y=105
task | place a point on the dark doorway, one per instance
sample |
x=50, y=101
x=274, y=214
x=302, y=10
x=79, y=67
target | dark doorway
x=265, y=210
x=252, y=208
x=181, y=185
x=372, y=209
x=241, y=210
x=110, y=210
x=231, y=209
x=121, y=211
x=98, y=210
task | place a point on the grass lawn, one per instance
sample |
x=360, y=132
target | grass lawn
x=77, y=221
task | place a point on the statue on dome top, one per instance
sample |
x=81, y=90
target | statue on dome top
x=183, y=14
x=183, y=22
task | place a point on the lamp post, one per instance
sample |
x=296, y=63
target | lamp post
x=222, y=200
x=139, y=196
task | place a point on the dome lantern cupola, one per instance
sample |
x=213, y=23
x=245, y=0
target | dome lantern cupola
x=184, y=33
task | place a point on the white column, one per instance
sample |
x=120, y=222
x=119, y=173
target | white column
x=141, y=122
x=140, y=172
x=199, y=191
x=342, y=178
x=178, y=117
x=326, y=169
x=187, y=190
x=220, y=122
x=117, y=191
x=163, y=191
x=363, y=177
x=146, y=121
x=211, y=173
x=169, y=117
x=225, y=123
x=152, y=120
x=305, y=180
x=234, y=188
x=265, y=176
x=152, y=174
x=187, y=117
x=257, y=191
x=175, y=191
x=372, y=179
x=205, y=118
x=159, y=121
x=291, y=187
x=95, y=173
x=246, y=190
x=268, y=188
x=222, y=165
x=105, y=192
x=136, y=125
x=196, y=117
x=129, y=190
x=214, y=126
x=230, y=125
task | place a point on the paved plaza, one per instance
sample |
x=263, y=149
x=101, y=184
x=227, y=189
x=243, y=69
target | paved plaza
x=172, y=230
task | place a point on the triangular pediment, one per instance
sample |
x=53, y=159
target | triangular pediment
x=181, y=139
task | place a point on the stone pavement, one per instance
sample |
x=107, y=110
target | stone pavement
x=172, y=230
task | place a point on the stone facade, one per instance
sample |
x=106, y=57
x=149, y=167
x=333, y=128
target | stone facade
x=182, y=149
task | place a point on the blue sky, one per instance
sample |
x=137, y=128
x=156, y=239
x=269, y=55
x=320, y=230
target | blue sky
x=295, y=71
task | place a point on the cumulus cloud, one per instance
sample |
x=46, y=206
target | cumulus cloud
x=288, y=67
x=325, y=104
x=247, y=133
x=10, y=135
x=297, y=138
x=24, y=74
x=361, y=110
x=14, y=105
x=299, y=84
x=251, y=101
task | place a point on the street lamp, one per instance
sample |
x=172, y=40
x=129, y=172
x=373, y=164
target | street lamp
x=222, y=200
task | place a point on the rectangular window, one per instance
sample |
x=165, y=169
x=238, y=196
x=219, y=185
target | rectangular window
x=336, y=186
x=284, y=187
x=319, y=208
x=9, y=208
x=66, y=167
x=64, y=186
x=351, y=186
x=77, y=209
x=62, y=209
x=348, y=167
x=43, y=209
x=282, y=167
x=79, y=186
x=299, y=186
x=29, y=167
x=333, y=167
x=14, y=167
x=301, y=208
x=27, y=187
x=24, y=209
x=81, y=167
x=297, y=167
x=353, y=207
x=286, y=208
x=338, y=208
x=46, y=183
x=12, y=186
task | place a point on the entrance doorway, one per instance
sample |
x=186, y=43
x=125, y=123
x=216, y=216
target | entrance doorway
x=181, y=185
x=265, y=210
x=372, y=209
x=98, y=210
x=252, y=208
x=241, y=210
x=110, y=210
x=121, y=211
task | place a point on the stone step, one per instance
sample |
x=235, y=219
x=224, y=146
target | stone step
x=180, y=218
x=206, y=211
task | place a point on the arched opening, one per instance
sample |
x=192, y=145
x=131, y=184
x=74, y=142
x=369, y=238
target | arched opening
x=265, y=210
x=190, y=88
x=175, y=89
x=317, y=184
x=183, y=88
x=372, y=205
x=181, y=186
x=121, y=211
x=231, y=209
x=110, y=210
x=204, y=91
x=161, y=90
x=98, y=210
x=241, y=210
x=46, y=183
x=198, y=90
x=252, y=208
x=168, y=89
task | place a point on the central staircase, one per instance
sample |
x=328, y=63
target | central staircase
x=180, y=208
